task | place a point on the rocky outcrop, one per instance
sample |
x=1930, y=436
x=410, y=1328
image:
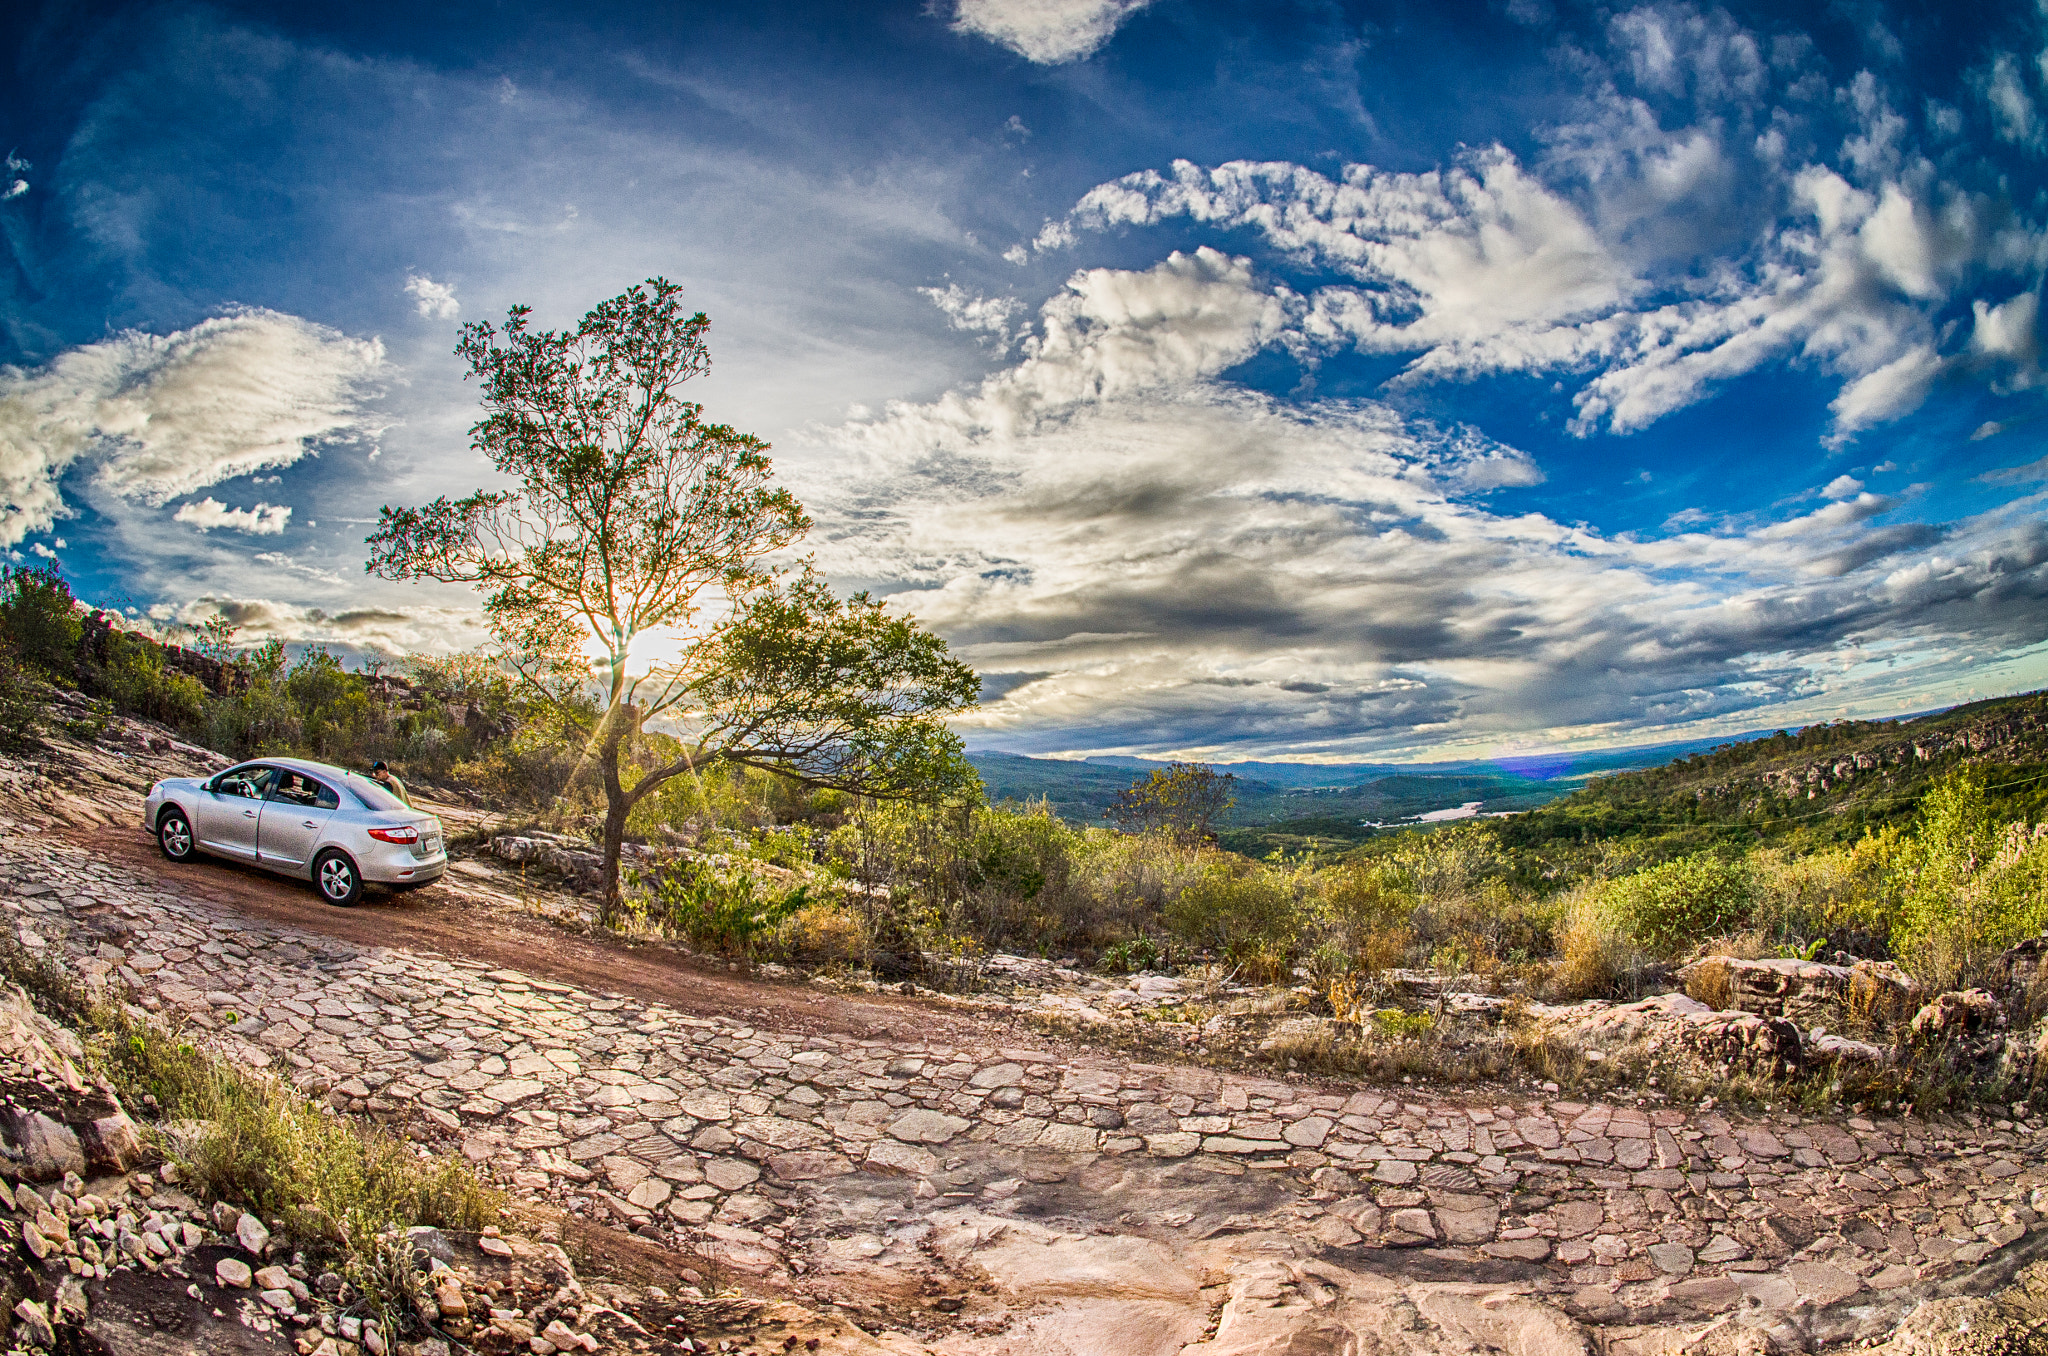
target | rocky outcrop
x=572, y=859
x=1807, y=992
x=1726, y=1041
x=53, y=1120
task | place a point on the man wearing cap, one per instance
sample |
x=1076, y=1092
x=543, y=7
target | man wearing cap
x=390, y=782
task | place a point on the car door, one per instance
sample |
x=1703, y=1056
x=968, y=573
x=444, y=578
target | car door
x=230, y=809
x=294, y=816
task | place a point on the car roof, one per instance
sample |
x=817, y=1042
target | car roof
x=298, y=765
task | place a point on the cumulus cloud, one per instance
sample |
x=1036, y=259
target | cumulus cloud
x=1047, y=32
x=1148, y=557
x=969, y=311
x=14, y=186
x=387, y=630
x=158, y=416
x=1643, y=260
x=265, y=520
x=434, y=300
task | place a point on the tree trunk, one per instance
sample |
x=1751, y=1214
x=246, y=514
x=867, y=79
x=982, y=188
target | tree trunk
x=618, y=803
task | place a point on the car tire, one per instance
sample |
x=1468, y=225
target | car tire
x=174, y=836
x=337, y=878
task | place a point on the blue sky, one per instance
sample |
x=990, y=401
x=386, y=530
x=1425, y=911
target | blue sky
x=1253, y=380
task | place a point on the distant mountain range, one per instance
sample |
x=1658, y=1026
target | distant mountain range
x=1349, y=796
x=1833, y=778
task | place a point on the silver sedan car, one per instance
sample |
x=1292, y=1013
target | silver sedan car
x=337, y=828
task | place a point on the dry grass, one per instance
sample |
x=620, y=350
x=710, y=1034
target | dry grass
x=1709, y=982
x=346, y=1191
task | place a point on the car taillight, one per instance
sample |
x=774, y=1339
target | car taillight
x=407, y=834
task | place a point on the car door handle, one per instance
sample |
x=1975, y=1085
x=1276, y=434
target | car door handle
x=311, y=825
x=248, y=814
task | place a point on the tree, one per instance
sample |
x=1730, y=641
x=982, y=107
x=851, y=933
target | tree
x=41, y=618
x=1181, y=800
x=632, y=515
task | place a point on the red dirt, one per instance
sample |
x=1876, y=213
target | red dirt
x=477, y=925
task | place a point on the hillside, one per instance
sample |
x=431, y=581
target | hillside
x=1298, y=806
x=1827, y=781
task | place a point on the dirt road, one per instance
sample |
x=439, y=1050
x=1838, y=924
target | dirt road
x=466, y=918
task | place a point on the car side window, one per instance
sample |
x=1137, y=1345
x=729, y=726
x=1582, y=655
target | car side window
x=250, y=782
x=296, y=788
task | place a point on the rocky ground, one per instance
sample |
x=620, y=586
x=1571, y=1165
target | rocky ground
x=917, y=1176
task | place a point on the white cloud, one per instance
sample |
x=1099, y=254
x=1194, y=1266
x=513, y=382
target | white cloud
x=14, y=190
x=1483, y=268
x=390, y=630
x=434, y=300
x=1161, y=560
x=1048, y=32
x=2013, y=115
x=2010, y=333
x=160, y=416
x=967, y=311
x=265, y=520
x=1883, y=395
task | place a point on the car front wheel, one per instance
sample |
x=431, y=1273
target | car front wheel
x=174, y=836
x=337, y=878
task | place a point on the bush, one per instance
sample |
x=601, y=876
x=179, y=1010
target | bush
x=134, y=678
x=728, y=914
x=41, y=619
x=1965, y=888
x=1246, y=912
x=21, y=705
x=1668, y=909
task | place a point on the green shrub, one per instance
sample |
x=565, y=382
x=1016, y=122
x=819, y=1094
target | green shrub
x=1966, y=888
x=21, y=704
x=1246, y=912
x=728, y=914
x=1668, y=909
x=41, y=619
x=133, y=676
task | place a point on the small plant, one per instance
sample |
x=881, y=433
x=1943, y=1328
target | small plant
x=1394, y=1024
x=726, y=914
x=1138, y=953
x=90, y=724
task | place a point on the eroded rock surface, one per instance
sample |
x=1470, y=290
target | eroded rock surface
x=1028, y=1198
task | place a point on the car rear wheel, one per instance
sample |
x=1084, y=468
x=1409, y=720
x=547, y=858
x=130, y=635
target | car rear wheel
x=174, y=836
x=337, y=878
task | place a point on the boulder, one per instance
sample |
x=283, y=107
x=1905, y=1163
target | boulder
x=1956, y=1014
x=53, y=1120
x=1807, y=992
x=1673, y=1023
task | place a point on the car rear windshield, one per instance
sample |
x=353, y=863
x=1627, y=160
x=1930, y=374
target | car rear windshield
x=373, y=795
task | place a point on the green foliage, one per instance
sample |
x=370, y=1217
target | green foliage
x=1245, y=911
x=333, y=705
x=1139, y=953
x=41, y=619
x=21, y=704
x=1670, y=908
x=1965, y=887
x=727, y=913
x=132, y=675
x=1185, y=801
